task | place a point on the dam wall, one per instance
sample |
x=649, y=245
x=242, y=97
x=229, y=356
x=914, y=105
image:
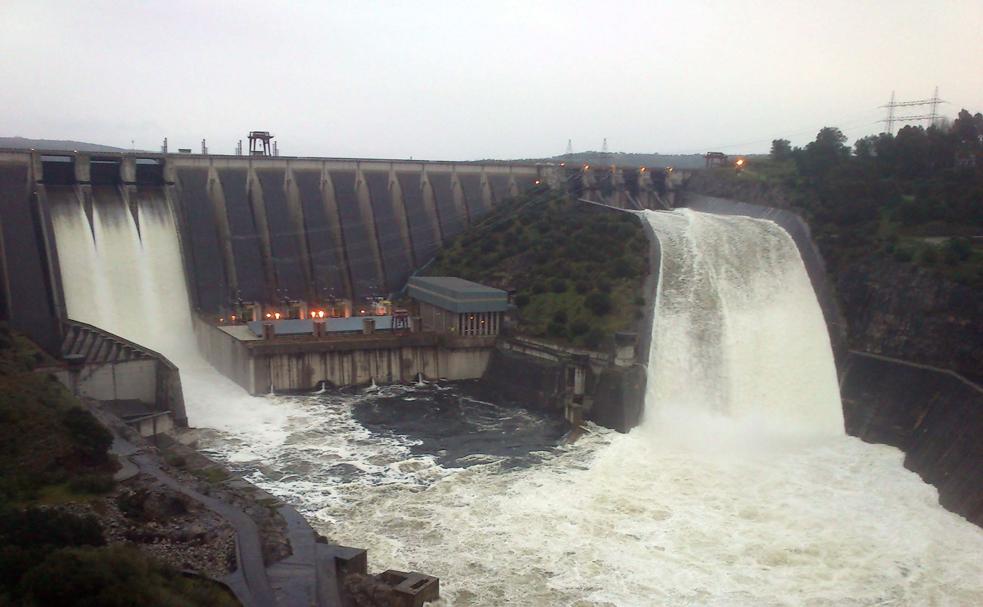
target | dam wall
x=266, y=229
x=29, y=299
x=263, y=229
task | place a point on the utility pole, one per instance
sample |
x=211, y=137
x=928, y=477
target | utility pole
x=931, y=117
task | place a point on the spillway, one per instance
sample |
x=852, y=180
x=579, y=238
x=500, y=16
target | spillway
x=737, y=332
x=740, y=487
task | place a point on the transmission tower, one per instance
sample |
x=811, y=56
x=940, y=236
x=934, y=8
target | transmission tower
x=932, y=116
x=605, y=154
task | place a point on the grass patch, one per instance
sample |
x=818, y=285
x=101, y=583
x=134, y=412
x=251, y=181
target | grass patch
x=212, y=475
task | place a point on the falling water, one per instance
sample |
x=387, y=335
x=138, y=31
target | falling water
x=738, y=340
x=740, y=488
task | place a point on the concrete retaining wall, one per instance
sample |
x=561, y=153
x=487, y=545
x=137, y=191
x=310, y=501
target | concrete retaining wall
x=230, y=357
x=301, y=364
x=135, y=379
x=933, y=415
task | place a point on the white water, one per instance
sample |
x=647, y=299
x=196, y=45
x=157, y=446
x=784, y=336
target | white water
x=739, y=489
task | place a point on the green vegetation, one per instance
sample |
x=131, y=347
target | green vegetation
x=916, y=196
x=53, y=452
x=577, y=271
x=78, y=575
x=51, y=449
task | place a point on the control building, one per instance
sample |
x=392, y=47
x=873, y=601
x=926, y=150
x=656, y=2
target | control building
x=461, y=307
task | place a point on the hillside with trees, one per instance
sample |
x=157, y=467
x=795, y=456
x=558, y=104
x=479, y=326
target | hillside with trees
x=577, y=270
x=917, y=195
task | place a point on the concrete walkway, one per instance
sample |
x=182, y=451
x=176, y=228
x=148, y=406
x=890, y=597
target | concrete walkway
x=249, y=581
x=249, y=548
x=304, y=579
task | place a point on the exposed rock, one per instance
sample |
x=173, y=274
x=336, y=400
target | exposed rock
x=908, y=312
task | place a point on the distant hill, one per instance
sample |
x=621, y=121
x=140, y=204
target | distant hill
x=625, y=159
x=55, y=144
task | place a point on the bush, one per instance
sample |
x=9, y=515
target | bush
x=582, y=287
x=114, y=577
x=560, y=316
x=40, y=527
x=558, y=285
x=556, y=329
x=92, y=483
x=578, y=327
x=622, y=268
x=639, y=301
x=538, y=289
x=929, y=255
x=92, y=441
x=594, y=338
x=959, y=248
x=902, y=254
x=599, y=303
x=522, y=300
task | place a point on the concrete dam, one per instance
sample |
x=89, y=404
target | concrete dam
x=707, y=484
x=263, y=229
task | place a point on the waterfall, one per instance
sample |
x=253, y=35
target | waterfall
x=128, y=282
x=737, y=332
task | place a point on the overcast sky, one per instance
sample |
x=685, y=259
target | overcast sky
x=468, y=80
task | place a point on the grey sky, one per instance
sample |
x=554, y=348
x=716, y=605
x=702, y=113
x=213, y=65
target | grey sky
x=466, y=80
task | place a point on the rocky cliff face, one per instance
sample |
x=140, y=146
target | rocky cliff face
x=908, y=312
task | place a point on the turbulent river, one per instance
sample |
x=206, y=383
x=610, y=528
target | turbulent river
x=739, y=488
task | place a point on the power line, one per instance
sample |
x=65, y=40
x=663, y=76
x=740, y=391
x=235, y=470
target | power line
x=932, y=116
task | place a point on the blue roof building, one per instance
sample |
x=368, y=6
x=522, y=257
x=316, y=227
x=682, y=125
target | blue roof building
x=454, y=305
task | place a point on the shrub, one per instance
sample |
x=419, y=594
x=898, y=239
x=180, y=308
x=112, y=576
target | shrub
x=960, y=248
x=622, y=268
x=558, y=285
x=599, y=303
x=522, y=300
x=582, y=287
x=560, y=316
x=639, y=301
x=929, y=255
x=902, y=254
x=39, y=527
x=538, y=289
x=92, y=441
x=92, y=483
x=594, y=338
x=556, y=329
x=578, y=327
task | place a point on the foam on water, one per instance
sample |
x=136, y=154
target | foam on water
x=739, y=489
